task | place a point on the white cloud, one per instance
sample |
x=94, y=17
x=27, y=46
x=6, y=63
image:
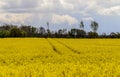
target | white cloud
x=15, y=18
x=115, y=10
x=57, y=11
x=59, y=19
x=2, y=4
x=88, y=19
x=57, y=6
x=67, y=5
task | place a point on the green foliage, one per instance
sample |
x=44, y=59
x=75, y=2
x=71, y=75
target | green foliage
x=16, y=32
x=24, y=34
x=82, y=24
x=73, y=33
x=81, y=33
x=30, y=30
x=77, y=33
x=9, y=30
x=4, y=33
x=92, y=34
x=94, y=25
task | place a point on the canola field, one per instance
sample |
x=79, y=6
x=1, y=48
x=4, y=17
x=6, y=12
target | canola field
x=39, y=57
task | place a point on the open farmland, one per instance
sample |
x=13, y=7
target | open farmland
x=37, y=57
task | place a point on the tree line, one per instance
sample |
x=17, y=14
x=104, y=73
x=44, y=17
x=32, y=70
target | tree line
x=10, y=30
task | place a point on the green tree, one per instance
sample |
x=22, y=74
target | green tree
x=30, y=30
x=24, y=34
x=4, y=33
x=81, y=33
x=94, y=26
x=113, y=35
x=73, y=32
x=16, y=32
x=48, y=30
x=42, y=31
x=82, y=25
x=92, y=34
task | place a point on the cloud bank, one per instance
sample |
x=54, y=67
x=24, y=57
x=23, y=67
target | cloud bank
x=55, y=11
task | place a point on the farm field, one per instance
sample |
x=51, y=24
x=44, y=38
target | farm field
x=39, y=57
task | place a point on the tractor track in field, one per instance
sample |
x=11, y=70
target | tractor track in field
x=54, y=48
x=73, y=50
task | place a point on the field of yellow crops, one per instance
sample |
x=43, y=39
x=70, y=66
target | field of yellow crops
x=39, y=57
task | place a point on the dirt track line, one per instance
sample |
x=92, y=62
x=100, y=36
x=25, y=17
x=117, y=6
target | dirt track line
x=75, y=51
x=54, y=48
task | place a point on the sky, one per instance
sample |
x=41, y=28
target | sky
x=62, y=13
